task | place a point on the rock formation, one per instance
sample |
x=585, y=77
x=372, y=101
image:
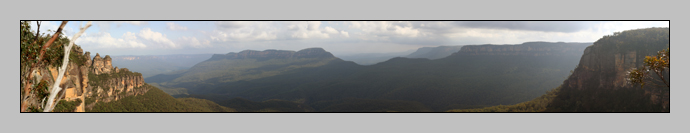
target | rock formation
x=602, y=70
x=105, y=84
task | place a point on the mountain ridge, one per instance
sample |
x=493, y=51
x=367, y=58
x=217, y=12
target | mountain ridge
x=438, y=84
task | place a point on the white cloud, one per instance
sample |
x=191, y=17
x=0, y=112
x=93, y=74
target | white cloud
x=137, y=23
x=386, y=29
x=345, y=34
x=156, y=37
x=194, y=42
x=309, y=29
x=173, y=26
x=104, y=26
x=243, y=31
x=330, y=30
x=105, y=40
x=144, y=39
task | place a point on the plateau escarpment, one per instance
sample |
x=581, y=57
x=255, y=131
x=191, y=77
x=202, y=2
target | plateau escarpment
x=598, y=84
x=528, y=48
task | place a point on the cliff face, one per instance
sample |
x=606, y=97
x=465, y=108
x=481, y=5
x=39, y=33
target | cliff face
x=610, y=68
x=95, y=78
x=275, y=54
x=528, y=48
x=102, y=65
x=600, y=78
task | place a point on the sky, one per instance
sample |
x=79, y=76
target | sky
x=338, y=37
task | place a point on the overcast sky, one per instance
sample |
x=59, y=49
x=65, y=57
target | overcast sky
x=337, y=37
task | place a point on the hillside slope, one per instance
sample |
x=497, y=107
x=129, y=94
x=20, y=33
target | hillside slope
x=501, y=74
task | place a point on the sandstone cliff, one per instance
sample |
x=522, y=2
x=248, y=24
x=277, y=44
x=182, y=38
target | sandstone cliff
x=92, y=80
x=602, y=71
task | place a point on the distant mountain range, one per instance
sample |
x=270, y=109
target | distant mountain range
x=373, y=58
x=150, y=65
x=501, y=74
x=434, y=52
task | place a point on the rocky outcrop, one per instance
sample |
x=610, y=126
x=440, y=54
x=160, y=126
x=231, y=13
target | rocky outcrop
x=101, y=65
x=528, y=49
x=110, y=84
x=122, y=84
x=93, y=78
x=603, y=68
x=275, y=54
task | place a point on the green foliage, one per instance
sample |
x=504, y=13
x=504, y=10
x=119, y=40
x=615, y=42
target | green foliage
x=244, y=105
x=156, y=100
x=90, y=100
x=77, y=57
x=370, y=105
x=641, y=40
x=101, y=79
x=42, y=90
x=67, y=106
x=593, y=99
x=657, y=64
x=203, y=103
x=30, y=46
x=171, y=91
x=536, y=105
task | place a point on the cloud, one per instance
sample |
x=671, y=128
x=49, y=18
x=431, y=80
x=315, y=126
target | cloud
x=105, y=40
x=309, y=30
x=345, y=34
x=173, y=26
x=225, y=25
x=137, y=23
x=243, y=31
x=144, y=39
x=545, y=26
x=330, y=30
x=386, y=28
x=395, y=32
x=157, y=38
x=194, y=42
x=104, y=26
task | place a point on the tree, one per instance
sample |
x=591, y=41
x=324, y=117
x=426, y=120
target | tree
x=656, y=64
x=29, y=46
x=56, y=87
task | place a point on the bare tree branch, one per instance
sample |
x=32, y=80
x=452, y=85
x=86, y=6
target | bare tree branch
x=65, y=60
